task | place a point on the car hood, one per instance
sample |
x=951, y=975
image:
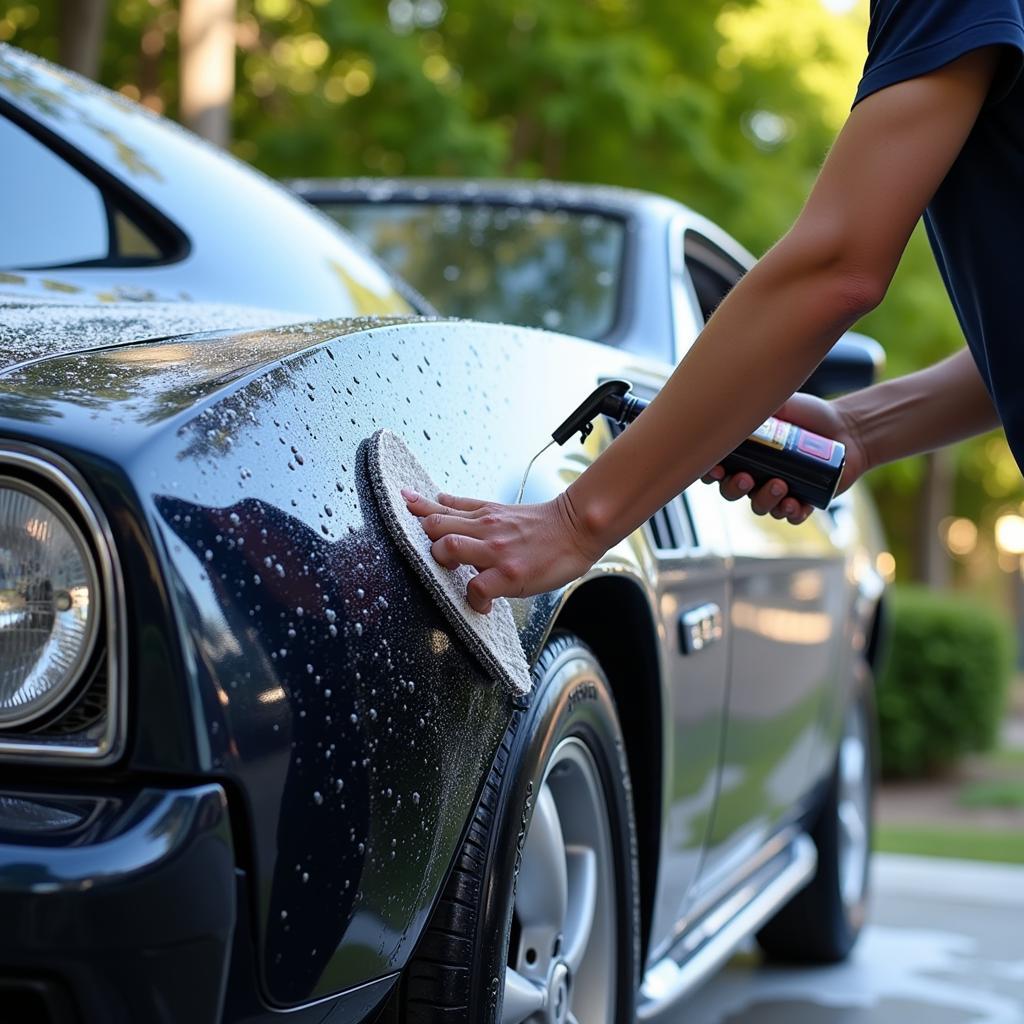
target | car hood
x=33, y=328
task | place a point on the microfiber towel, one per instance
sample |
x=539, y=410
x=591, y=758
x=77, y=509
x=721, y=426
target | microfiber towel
x=493, y=638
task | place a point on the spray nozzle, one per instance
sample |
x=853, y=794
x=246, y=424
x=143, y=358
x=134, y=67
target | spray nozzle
x=613, y=399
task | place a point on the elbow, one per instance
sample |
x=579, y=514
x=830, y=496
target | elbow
x=849, y=272
x=856, y=292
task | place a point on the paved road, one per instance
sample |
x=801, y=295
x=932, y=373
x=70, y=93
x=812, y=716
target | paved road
x=945, y=946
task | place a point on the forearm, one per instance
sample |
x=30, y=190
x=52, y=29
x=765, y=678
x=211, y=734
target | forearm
x=920, y=412
x=763, y=342
x=774, y=327
x=779, y=322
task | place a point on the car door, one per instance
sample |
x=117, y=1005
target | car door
x=688, y=545
x=783, y=632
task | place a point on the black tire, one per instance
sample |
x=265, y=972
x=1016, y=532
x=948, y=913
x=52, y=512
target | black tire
x=456, y=975
x=819, y=926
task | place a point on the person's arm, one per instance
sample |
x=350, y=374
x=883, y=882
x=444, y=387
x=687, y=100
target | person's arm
x=919, y=412
x=776, y=325
x=922, y=411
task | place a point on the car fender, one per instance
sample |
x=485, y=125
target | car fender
x=326, y=692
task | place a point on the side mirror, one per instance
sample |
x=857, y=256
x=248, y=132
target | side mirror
x=854, y=362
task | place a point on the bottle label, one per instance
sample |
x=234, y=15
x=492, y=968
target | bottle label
x=815, y=445
x=773, y=433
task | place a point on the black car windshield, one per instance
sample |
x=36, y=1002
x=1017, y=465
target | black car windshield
x=559, y=269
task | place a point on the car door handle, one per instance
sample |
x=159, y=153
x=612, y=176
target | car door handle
x=700, y=627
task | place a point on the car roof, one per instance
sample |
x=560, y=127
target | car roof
x=249, y=240
x=538, y=193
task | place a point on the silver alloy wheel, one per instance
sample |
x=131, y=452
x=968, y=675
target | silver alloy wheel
x=562, y=959
x=854, y=806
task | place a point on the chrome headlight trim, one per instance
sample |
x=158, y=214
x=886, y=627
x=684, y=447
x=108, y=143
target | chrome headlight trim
x=40, y=706
x=34, y=465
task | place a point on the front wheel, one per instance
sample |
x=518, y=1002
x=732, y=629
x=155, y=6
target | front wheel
x=539, y=921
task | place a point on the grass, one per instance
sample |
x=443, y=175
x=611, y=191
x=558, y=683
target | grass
x=968, y=843
x=1004, y=794
x=995, y=784
x=1006, y=760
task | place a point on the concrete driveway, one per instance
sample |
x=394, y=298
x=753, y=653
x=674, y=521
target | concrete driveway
x=945, y=946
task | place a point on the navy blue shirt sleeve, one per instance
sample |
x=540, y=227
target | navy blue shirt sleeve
x=909, y=38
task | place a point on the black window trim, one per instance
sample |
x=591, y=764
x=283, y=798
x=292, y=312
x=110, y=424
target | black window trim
x=172, y=243
x=702, y=250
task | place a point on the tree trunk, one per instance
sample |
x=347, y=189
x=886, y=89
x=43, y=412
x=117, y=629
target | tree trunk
x=207, y=30
x=936, y=501
x=80, y=35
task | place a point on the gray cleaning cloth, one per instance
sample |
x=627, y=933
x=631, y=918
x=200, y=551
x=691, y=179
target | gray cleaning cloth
x=493, y=638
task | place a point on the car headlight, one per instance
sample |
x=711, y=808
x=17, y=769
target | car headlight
x=49, y=602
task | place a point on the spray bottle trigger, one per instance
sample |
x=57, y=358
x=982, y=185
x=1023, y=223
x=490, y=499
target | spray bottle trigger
x=582, y=418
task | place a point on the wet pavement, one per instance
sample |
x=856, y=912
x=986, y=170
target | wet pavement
x=945, y=946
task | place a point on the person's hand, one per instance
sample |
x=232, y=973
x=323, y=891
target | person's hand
x=518, y=550
x=772, y=498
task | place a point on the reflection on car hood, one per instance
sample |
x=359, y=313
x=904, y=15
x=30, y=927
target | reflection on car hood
x=35, y=329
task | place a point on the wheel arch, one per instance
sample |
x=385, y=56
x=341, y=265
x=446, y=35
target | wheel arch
x=601, y=612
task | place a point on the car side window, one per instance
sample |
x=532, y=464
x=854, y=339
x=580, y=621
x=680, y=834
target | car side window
x=54, y=216
x=712, y=271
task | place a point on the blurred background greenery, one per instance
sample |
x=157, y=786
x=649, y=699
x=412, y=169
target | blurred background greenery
x=727, y=106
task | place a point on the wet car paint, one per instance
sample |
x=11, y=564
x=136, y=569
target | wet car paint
x=79, y=854
x=322, y=686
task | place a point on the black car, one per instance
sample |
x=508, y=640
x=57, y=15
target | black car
x=247, y=771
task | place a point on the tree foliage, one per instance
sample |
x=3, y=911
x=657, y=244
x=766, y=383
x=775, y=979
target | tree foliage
x=728, y=106
x=943, y=691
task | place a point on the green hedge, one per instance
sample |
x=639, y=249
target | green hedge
x=942, y=692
